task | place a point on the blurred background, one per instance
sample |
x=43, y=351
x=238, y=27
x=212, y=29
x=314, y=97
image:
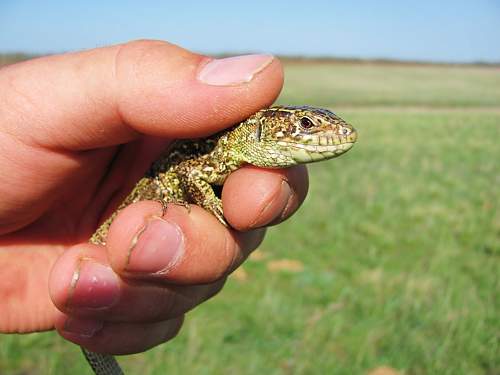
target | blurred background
x=392, y=265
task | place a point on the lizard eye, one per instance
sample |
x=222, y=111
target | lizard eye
x=306, y=123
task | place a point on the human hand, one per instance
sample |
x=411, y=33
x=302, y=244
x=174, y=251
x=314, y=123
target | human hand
x=77, y=131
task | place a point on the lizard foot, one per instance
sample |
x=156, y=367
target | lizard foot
x=214, y=206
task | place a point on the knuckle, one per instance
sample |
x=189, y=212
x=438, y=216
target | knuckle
x=140, y=57
x=148, y=69
x=17, y=104
x=138, y=51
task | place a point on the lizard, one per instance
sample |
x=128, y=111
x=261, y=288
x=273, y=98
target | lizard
x=188, y=170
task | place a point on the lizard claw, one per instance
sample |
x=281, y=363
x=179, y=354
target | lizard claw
x=164, y=206
x=221, y=218
x=214, y=206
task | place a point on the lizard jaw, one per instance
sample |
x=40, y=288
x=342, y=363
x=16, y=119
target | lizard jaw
x=311, y=153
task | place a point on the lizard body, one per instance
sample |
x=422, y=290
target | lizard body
x=275, y=137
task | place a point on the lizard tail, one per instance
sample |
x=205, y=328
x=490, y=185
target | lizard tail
x=102, y=364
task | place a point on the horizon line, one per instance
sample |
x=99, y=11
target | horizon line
x=292, y=57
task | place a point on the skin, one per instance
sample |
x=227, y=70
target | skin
x=63, y=171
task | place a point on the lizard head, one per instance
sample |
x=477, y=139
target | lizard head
x=304, y=134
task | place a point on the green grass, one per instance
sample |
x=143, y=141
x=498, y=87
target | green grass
x=399, y=240
x=391, y=85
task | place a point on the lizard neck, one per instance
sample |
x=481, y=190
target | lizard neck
x=249, y=142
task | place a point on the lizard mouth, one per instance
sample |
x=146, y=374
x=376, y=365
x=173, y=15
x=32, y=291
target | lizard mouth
x=303, y=153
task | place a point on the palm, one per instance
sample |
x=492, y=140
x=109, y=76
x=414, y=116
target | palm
x=82, y=197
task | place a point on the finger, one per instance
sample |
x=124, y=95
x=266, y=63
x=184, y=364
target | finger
x=178, y=246
x=107, y=96
x=117, y=338
x=82, y=284
x=254, y=197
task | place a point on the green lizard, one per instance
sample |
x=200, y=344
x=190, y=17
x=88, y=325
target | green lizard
x=275, y=137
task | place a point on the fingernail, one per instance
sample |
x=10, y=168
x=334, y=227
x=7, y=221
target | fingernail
x=157, y=248
x=287, y=194
x=94, y=286
x=280, y=203
x=233, y=71
x=82, y=327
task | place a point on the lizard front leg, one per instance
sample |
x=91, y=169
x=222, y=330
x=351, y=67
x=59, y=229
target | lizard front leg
x=201, y=193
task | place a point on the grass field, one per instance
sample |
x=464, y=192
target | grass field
x=393, y=260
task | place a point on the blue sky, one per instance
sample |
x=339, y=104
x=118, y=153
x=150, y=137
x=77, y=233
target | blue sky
x=457, y=31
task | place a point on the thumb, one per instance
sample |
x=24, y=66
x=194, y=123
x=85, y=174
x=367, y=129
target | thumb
x=53, y=106
x=111, y=95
